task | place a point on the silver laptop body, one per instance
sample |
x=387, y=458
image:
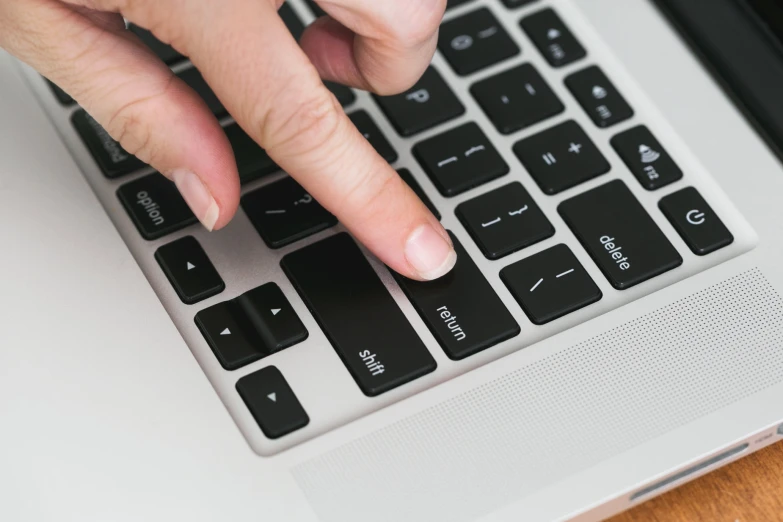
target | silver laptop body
x=113, y=406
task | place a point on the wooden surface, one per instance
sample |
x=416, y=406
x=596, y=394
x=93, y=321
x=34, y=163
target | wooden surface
x=748, y=490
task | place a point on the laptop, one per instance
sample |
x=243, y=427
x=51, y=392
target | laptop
x=613, y=328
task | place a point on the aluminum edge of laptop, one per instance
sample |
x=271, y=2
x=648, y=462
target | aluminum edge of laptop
x=107, y=416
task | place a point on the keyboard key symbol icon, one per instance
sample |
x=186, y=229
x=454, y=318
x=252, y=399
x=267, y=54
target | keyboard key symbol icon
x=648, y=155
x=599, y=93
x=462, y=42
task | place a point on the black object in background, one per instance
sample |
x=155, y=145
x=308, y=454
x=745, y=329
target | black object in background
x=749, y=63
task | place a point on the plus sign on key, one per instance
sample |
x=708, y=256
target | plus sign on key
x=561, y=157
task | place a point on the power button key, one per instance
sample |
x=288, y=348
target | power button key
x=695, y=221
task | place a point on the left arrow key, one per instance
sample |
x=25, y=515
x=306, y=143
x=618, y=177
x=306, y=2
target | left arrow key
x=232, y=347
x=189, y=270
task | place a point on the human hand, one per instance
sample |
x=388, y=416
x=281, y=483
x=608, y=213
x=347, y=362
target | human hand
x=271, y=86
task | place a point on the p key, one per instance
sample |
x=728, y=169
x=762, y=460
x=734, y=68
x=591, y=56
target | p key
x=428, y=103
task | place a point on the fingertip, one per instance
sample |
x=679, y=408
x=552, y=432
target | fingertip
x=429, y=252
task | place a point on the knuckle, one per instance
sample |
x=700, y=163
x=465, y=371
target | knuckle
x=366, y=195
x=301, y=126
x=130, y=124
x=133, y=134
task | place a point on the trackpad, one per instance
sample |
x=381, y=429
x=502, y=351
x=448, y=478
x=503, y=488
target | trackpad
x=505, y=439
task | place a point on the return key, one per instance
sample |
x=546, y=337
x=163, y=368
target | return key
x=461, y=309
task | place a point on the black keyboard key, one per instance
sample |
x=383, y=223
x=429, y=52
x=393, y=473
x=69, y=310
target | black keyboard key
x=256, y=324
x=196, y=82
x=284, y=212
x=291, y=20
x=358, y=315
x=599, y=97
x=372, y=133
x=315, y=8
x=189, y=270
x=111, y=158
x=461, y=309
x=252, y=161
x=517, y=3
x=699, y=226
x=454, y=3
x=550, y=284
x=165, y=52
x=517, y=99
x=63, y=97
x=272, y=402
x=428, y=103
x=553, y=38
x=619, y=235
x=155, y=206
x=504, y=221
x=344, y=95
x=271, y=317
x=408, y=178
x=475, y=41
x=460, y=159
x=232, y=347
x=561, y=157
x=646, y=158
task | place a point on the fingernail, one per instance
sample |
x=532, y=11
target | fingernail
x=197, y=197
x=429, y=253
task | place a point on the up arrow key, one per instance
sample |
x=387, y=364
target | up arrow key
x=272, y=397
x=226, y=332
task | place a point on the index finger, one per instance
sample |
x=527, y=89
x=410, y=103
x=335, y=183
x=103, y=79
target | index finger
x=274, y=92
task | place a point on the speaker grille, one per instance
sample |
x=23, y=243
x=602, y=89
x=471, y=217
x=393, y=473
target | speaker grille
x=511, y=436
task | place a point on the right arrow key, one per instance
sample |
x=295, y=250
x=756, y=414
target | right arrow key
x=271, y=317
x=256, y=324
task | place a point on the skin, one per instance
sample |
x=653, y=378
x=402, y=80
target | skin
x=267, y=81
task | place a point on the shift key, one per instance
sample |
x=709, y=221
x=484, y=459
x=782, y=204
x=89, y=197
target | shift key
x=461, y=309
x=360, y=318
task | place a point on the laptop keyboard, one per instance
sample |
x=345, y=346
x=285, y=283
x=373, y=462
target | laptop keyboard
x=502, y=285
